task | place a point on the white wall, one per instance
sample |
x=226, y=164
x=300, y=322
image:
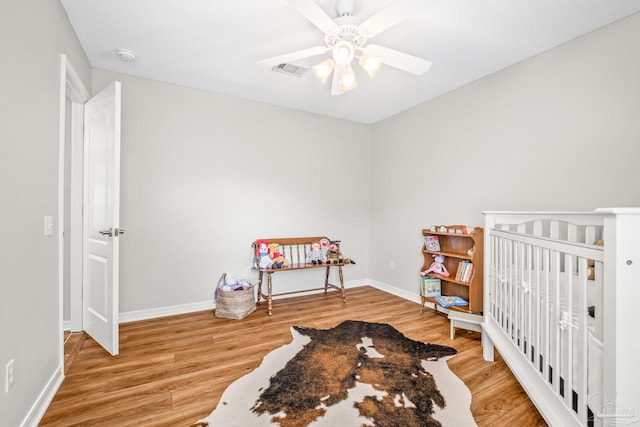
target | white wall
x=204, y=175
x=33, y=34
x=559, y=131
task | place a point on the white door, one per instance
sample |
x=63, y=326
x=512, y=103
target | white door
x=101, y=217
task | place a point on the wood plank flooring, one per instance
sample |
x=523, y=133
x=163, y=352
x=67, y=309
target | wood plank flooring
x=72, y=344
x=172, y=371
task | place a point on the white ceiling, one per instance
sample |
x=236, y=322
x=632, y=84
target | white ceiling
x=214, y=45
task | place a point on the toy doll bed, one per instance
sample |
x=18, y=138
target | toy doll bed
x=560, y=310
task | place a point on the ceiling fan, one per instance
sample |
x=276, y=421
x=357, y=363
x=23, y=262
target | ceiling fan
x=346, y=39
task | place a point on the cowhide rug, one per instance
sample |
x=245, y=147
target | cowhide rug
x=356, y=374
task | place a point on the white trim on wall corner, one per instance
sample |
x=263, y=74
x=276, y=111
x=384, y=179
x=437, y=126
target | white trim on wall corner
x=152, y=313
x=173, y=310
x=355, y=283
x=415, y=297
x=39, y=408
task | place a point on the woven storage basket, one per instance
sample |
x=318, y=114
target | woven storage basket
x=235, y=304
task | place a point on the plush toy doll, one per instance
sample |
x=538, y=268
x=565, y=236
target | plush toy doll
x=315, y=255
x=437, y=266
x=334, y=256
x=591, y=270
x=262, y=254
x=324, y=244
x=276, y=256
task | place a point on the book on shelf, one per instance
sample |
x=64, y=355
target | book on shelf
x=432, y=243
x=448, y=301
x=464, y=272
x=431, y=286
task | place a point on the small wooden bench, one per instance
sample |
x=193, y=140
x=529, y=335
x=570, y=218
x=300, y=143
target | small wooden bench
x=295, y=251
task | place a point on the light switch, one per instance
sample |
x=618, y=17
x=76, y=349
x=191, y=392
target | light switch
x=48, y=225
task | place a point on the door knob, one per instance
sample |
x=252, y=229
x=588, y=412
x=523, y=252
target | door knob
x=112, y=232
x=108, y=232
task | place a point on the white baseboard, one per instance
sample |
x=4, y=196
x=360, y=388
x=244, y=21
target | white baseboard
x=411, y=296
x=41, y=404
x=152, y=313
x=172, y=310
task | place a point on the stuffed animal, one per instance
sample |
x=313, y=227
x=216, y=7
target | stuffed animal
x=263, y=260
x=232, y=283
x=276, y=256
x=334, y=255
x=315, y=255
x=324, y=244
x=437, y=266
x=591, y=264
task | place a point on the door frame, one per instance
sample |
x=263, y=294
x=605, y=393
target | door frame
x=73, y=89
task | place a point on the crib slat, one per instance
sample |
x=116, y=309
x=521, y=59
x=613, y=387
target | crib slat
x=530, y=298
x=546, y=314
x=510, y=298
x=513, y=291
x=583, y=348
x=573, y=233
x=555, y=319
x=502, y=284
x=538, y=267
x=598, y=298
x=590, y=234
x=522, y=295
x=554, y=229
x=568, y=330
x=502, y=287
x=495, y=283
x=537, y=228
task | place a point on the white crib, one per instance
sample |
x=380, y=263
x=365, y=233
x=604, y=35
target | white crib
x=560, y=310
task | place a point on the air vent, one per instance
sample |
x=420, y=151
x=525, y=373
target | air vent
x=290, y=69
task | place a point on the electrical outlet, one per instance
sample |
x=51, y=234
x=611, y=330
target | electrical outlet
x=392, y=265
x=10, y=375
x=48, y=225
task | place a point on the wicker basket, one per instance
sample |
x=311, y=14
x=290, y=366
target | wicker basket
x=235, y=304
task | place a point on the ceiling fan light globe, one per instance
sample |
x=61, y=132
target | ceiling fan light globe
x=323, y=70
x=348, y=80
x=343, y=52
x=371, y=64
x=345, y=7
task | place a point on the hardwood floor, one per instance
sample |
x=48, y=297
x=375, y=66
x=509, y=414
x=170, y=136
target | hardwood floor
x=72, y=344
x=172, y=371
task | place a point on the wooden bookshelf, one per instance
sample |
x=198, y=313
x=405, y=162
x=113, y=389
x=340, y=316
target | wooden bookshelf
x=457, y=246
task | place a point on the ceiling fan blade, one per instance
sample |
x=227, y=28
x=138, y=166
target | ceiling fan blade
x=393, y=14
x=400, y=60
x=337, y=73
x=314, y=13
x=292, y=56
